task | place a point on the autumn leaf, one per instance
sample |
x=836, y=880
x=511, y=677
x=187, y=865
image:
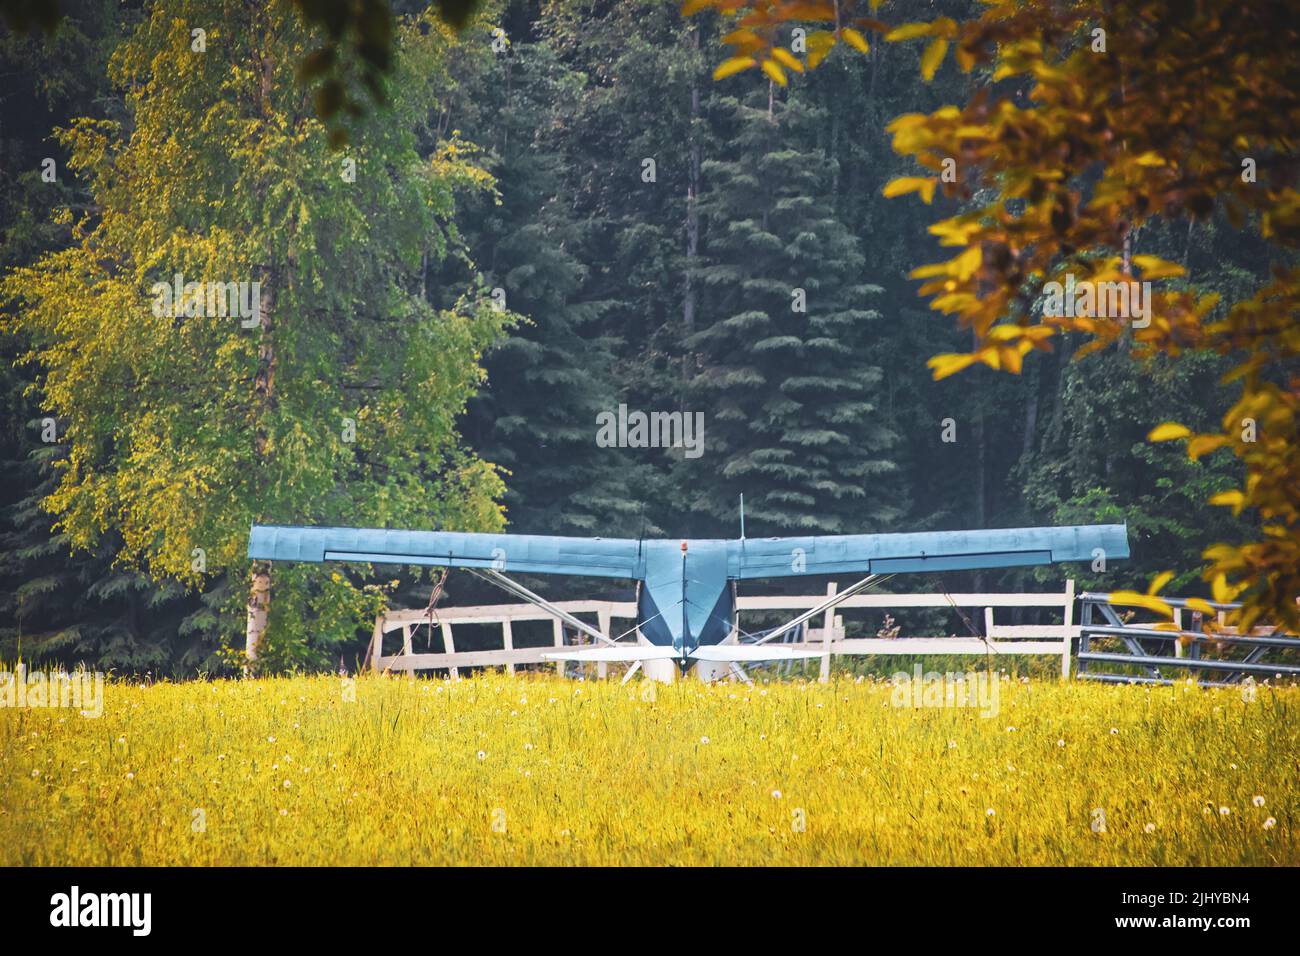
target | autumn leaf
x=1168, y=432
x=1232, y=498
x=932, y=57
x=774, y=72
x=908, y=184
x=786, y=59
x=855, y=39
x=1134, y=599
x=733, y=65
x=909, y=31
x=949, y=364
x=1154, y=267
x=1159, y=581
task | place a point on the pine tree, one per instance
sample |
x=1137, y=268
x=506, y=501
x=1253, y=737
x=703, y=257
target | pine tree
x=783, y=351
x=550, y=377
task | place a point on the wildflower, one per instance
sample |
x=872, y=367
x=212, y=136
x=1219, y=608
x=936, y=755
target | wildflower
x=990, y=812
x=1270, y=823
x=1224, y=811
x=952, y=745
x=704, y=740
x=288, y=783
x=482, y=755
x=1257, y=800
x=283, y=812
x=1061, y=742
x=270, y=740
x=1150, y=828
x=130, y=776
x=1011, y=730
x=1114, y=730
x=776, y=794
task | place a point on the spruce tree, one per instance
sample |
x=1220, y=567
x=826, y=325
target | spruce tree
x=553, y=373
x=783, y=353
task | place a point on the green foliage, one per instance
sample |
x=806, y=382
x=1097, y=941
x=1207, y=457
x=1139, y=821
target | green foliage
x=184, y=429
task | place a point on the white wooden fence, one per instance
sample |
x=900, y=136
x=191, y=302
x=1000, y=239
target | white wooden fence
x=998, y=639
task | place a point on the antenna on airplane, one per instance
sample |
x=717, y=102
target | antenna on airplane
x=742, y=516
x=641, y=535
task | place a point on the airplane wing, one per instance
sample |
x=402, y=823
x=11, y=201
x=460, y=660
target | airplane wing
x=541, y=554
x=926, y=551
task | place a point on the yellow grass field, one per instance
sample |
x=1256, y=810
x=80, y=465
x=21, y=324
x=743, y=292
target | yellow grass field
x=542, y=770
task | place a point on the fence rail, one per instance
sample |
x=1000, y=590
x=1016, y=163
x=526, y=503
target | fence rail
x=830, y=638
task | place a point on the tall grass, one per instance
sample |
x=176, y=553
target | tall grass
x=542, y=770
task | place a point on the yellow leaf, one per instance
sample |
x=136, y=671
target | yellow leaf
x=774, y=72
x=968, y=263
x=1203, y=445
x=908, y=184
x=1223, y=592
x=932, y=57
x=855, y=39
x=1233, y=499
x=1200, y=604
x=733, y=65
x=691, y=7
x=1154, y=267
x=909, y=31
x=948, y=364
x=1134, y=599
x=1168, y=432
x=1011, y=359
x=786, y=59
x=1159, y=581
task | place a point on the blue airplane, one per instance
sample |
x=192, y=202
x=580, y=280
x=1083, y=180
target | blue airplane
x=685, y=595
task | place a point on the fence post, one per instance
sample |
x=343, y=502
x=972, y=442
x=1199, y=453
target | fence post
x=450, y=646
x=828, y=632
x=1067, y=620
x=557, y=628
x=377, y=644
x=602, y=622
x=508, y=638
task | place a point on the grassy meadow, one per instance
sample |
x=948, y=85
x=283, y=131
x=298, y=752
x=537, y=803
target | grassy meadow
x=542, y=770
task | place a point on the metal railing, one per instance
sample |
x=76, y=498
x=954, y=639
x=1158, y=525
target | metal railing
x=1158, y=653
